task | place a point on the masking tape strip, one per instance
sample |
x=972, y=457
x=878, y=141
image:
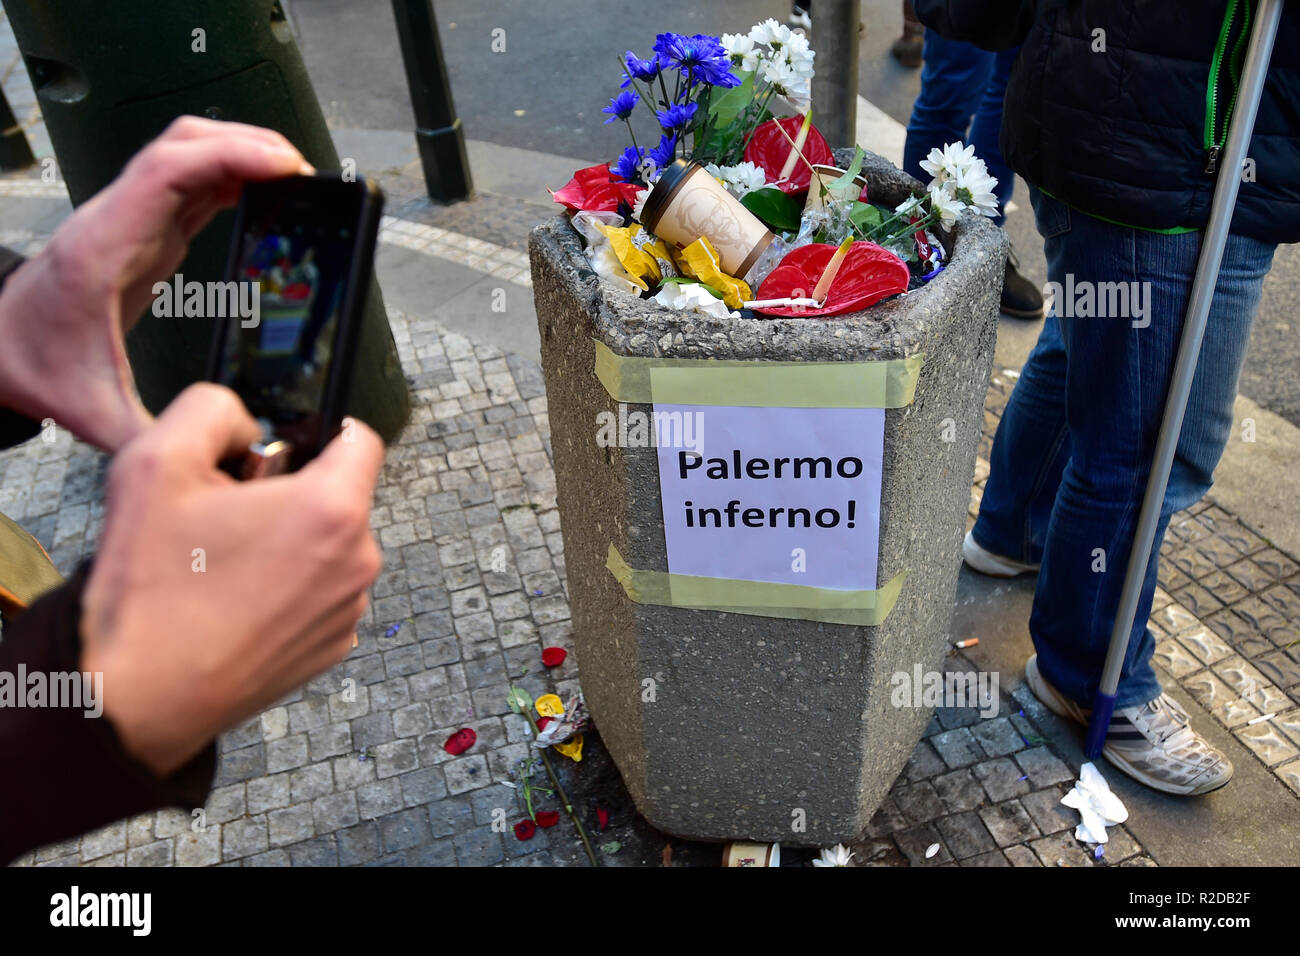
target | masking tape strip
x=762, y=598
x=889, y=383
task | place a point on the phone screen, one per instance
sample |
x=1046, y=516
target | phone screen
x=293, y=258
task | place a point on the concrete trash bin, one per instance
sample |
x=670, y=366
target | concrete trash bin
x=737, y=725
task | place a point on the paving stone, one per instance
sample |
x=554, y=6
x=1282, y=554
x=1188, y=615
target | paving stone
x=1009, y=823
x=919, y=802
x=1062, y=849
x=964, y=835
x=404, y=829
x=923, y=763
x=958, y=748
x=291, y=825
x=1048, y=813
x=287, y=753
x=1002, y=779
x=335, y=811
x=243, y=837
x=998, y=737
x=1043, y=767
x=1022, y=856
x=321, y=851
x=915, y=842
x=198, y=848
x=959, y=790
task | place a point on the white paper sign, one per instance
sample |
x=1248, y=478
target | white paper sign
x=787, y=495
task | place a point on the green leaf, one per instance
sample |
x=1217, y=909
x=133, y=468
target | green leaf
x=728, y=107
x=851, y=173
x=612, y=847
x=518, y=700
x=865, y=216
x=779, y=210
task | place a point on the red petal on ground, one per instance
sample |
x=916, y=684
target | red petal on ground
x=547, y=818
x=769, y=149
x=554, y=656
x=869, y=274
x=543, y=721
x=602, y=817
x=524, y=830
x=460, y=741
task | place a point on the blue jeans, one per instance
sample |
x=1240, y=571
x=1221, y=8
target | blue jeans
x=959, y=81
x=1073, y=451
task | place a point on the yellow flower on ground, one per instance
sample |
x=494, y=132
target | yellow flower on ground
x=700, y=261
x=571, y=748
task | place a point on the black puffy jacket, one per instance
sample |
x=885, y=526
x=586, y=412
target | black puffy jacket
x=1119, y=109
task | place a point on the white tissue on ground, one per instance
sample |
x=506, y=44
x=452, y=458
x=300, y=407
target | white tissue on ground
x=1097, y=805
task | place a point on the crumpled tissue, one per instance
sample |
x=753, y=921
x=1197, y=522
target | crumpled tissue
x=1097, y=805
x=693, y=296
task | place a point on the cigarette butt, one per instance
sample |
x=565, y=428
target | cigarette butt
x=967, y=643
x=1260, y=718
x=355, y=640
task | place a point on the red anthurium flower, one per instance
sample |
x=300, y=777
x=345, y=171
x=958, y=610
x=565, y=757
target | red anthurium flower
x=460, y=741
x=867, y=275
x=543, y=721
x=547, y=818
x=524, y=830
x=554, y=656
x=769, y=149
x=602, y=817
x=595, y=188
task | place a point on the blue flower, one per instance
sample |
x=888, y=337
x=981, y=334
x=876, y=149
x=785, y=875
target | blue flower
x=678, y=116
x=620, y=107
x=628, y=166
x=645, y=70
x=702, y=56
x=664, y=154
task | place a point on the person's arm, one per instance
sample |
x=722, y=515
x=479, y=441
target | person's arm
x=988, y=24
x=178, y=647
x=66, y=772
x=14, y=428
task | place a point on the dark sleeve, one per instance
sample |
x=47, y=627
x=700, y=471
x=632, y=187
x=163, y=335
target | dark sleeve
x=14, y=428
x=988, y=24
x=62, y=772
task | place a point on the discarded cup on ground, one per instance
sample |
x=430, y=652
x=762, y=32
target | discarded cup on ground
x=751, y=854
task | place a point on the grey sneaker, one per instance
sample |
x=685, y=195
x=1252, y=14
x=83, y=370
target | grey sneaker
x=994, y=565
x=1153, y=743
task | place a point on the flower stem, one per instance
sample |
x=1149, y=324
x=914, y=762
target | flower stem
x=564, y=798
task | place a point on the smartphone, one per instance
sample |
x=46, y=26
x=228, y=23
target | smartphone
x=302, y=255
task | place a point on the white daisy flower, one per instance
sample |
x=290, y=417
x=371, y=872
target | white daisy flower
x=740, y=47
x=943, y=202
x=838, y=855
x=974, y=186
x=911, y=206
x=775, y=35
x=943, y=164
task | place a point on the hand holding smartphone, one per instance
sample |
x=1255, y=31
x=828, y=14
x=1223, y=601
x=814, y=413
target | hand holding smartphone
x=308, y=243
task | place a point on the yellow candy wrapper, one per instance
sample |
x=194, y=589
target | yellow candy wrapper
x=570, y=748
x=700, y=261
x=549, y=705
x=644, y=256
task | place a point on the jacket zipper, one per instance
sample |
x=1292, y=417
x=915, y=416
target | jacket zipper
x=1221, y=96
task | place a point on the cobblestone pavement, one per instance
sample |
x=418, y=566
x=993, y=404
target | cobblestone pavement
x=473, y=589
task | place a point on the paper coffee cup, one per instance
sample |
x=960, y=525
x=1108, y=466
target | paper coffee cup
x=751, y=854
x=822, y=177
x=687, y=203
